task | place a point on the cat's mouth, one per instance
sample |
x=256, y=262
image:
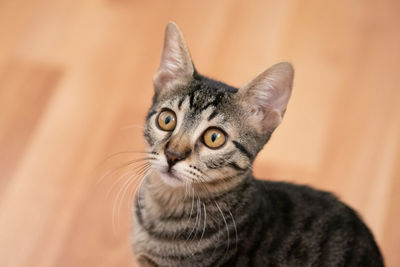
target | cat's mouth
x=171, y=174
x=170, y=177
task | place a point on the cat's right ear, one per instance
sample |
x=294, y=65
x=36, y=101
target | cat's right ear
x=176, y=65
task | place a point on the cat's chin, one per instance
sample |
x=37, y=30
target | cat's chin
x=170, y=179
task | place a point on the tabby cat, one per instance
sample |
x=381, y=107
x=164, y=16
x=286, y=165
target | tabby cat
x=199, y=204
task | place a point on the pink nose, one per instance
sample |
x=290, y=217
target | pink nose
x=173, y=156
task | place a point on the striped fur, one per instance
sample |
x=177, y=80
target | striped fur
x=259, y=223
x=208, y=209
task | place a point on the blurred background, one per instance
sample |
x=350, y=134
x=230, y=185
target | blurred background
x=76, y=81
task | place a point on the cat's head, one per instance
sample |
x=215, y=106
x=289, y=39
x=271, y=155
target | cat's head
x=202, y=130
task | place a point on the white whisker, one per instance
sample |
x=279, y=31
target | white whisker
x=121, y=177
x=133, y=179
x=234, y=224
x=121, y=166
x=226, y=225
x=205, y=220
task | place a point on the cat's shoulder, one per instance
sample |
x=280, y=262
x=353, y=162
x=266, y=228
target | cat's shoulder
x=303, y=196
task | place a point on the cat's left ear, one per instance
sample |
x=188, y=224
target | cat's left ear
x=266, y=96
x=176, y=64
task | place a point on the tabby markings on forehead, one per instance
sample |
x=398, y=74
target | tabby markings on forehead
x=200, y=102
x=206, y=93
x=180, y=102
x=213, y=114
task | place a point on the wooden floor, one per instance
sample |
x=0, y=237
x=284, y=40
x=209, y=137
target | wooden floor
x=76, y=80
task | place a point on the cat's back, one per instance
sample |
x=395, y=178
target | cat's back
x=296, y=225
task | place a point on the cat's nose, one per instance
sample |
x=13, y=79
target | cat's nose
x=174, y=156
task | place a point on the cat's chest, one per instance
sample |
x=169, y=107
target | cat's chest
x=167, y=241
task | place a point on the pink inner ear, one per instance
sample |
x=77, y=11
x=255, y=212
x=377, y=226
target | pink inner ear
x=162, y=79
x=173, y=58
x=268, y=94
x=254, y=110
x=271, y=120
x=176, y=64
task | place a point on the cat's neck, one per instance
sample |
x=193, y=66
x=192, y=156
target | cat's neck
x=190, y=223
x=166, y=197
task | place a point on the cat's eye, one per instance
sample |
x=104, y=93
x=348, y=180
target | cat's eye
x=214, y=138
x=166, y=120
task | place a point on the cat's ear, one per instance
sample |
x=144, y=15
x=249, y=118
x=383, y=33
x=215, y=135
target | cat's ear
x=266, y=96
x=176, y=64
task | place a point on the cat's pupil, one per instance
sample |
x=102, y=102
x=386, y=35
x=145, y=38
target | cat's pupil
x=167, y=119
x=213, y=137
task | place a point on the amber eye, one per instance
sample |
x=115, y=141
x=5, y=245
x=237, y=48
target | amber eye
x=166, y=120
x=214, y=138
